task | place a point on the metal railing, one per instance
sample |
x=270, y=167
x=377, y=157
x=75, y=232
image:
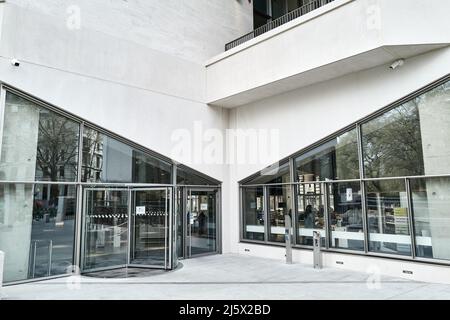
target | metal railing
x=33, y=256
x=294, y=14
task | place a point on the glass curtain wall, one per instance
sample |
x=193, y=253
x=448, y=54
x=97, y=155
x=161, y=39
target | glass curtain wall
x=386, y=179
x=37, y=219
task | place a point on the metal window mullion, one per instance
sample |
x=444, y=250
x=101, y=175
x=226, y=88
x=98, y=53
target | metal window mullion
x=326, y=217
x=266, y=213
x=78, y=250
x=364, y=216
x=167, y=227
x=2, y=114
x=294, y=213
x=410, y=218
x=293, y=197
x=130, y=219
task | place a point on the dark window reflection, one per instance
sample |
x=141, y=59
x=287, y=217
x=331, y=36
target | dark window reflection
x=336, y=159
x=274, y=174
x=106, y=159
x=185, y=177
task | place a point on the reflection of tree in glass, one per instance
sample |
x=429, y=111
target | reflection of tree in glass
x=347, y=162
x=392, y=143
x=92, y=155
x=57, y=147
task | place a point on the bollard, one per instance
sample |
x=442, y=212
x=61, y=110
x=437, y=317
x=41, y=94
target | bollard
x=288, y=238
x=316, y=252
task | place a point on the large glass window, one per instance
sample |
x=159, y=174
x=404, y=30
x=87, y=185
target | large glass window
x=187, y=177
x=345, y=215
x=108, y=160
x=37, y=225
x=253, y=206
x=37, y=144
x=336, y=159
x=387, y=211
x=280, y=204
x=431, y=203
x=411, y=139
x=279, y=173
x=311, y=212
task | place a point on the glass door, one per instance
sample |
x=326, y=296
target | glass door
x=201, y=222
x=105, y=228
x=149, y=227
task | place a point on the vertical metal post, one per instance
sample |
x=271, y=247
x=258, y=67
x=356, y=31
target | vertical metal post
x=266, y=214
x=410, y=218
x=34, y=258
x=130, y=218
x=50, y=254
x=325, y=214
x=77, y=259
x=288, y=238
x=294, y=200
x=317, y=254
x=167, y=228
x=363, y=187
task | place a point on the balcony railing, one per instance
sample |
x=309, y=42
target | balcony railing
x=294, y=14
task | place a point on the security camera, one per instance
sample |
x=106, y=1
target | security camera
x=397, y=64
x=15, y=62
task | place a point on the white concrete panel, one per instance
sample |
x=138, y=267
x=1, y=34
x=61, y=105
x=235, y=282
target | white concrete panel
x=323, y=45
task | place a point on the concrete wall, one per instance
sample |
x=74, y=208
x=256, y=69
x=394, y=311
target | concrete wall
x=134, y=67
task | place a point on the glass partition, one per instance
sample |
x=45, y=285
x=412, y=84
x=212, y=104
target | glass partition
x=345, y=215
x=280, y=204
x=253, y=206
x=431, y=203
x=387, y=214
x=37, y=230
x=310, y=212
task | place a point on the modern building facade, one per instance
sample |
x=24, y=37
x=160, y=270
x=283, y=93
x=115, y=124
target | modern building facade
x=112, y=116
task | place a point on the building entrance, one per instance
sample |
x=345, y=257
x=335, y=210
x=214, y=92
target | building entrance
x=127, y=227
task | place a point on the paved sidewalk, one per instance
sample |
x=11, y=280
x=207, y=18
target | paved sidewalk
x=231, y=277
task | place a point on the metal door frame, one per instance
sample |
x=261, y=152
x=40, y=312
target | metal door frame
x=187, y=248
x=168, y=263
x=167, y=233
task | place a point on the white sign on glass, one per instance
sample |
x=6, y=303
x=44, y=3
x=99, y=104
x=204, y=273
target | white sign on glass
x=140, y=210
x=204, y=206
x=349, y=194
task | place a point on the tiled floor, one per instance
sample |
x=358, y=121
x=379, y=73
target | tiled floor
x=232, y=277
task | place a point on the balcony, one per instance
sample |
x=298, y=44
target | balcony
x=294, y=14
x=334, y=40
